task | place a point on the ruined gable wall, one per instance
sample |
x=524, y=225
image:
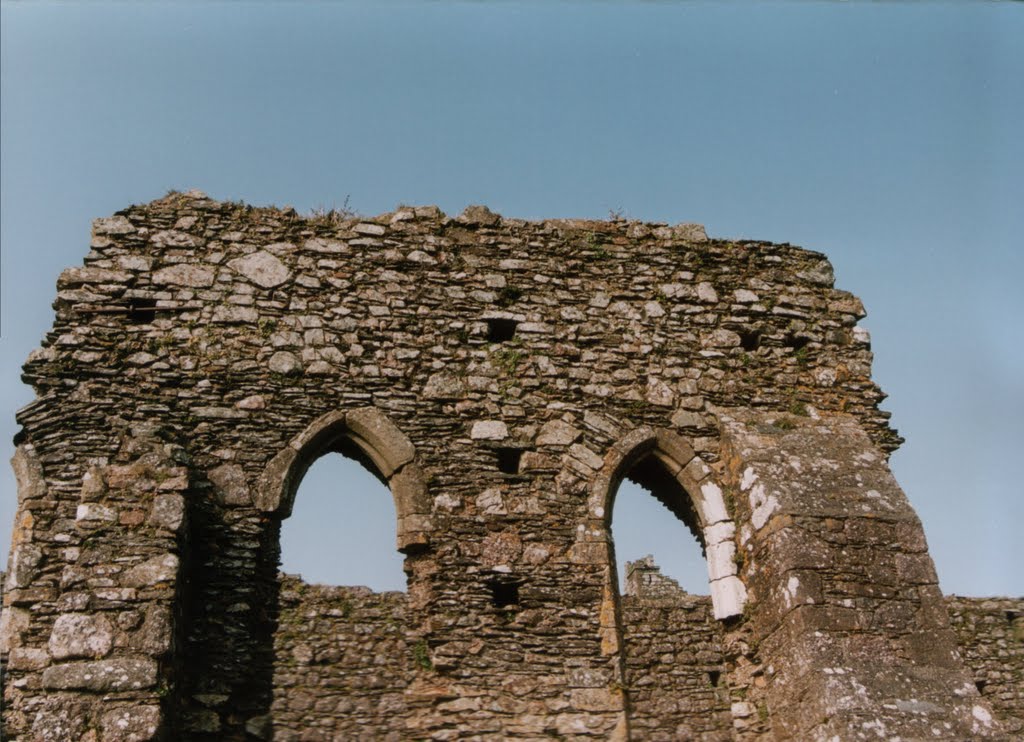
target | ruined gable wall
x=213, y=336
x=848, y=627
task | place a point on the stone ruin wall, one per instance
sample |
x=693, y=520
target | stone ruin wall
x=343, y=662
x=990, y=632
x=501, y=377
x=675, y=662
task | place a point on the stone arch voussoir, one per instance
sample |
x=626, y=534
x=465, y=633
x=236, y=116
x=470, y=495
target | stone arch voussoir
x=728, y=594
x=391, y=452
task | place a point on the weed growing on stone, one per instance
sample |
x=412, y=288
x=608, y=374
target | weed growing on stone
x=796, y=407
x=267, y=326
x=421, y=655
x=280, y=379
x=322, y=215
x=597, y=247
x=638, y=406
x=748, y=613
x=507, y=359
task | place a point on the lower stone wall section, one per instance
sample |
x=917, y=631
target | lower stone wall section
x=990, y=632
x=342, y=664
x=675, y=669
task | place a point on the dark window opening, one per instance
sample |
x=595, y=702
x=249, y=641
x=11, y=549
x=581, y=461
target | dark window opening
x=750, y=340
x=141, y=311
x=350, y=451
x=501, y=330
x=713, y=676
x=796, y=343
x=980, y=685
x=653, y=477
x=508, y=460
x=1011, y=616
x=504, y=593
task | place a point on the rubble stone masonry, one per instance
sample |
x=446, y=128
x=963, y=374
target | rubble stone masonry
x=501, y=378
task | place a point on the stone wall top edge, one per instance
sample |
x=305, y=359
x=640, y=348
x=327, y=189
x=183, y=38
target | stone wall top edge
x=473, y=215
x=979, y=599
x=255, y=271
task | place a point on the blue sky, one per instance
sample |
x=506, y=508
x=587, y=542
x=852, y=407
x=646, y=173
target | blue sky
x=884, y=135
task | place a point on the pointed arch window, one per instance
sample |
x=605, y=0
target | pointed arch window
x=341, y=530
x=667, y=465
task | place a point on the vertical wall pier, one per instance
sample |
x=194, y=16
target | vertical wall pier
x=845, y=620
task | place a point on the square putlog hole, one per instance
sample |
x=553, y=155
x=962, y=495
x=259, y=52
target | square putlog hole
x=501, y=330
x=503, y=594
x=141, y=311
x=508, y=460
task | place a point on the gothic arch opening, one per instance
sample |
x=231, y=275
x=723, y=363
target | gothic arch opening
x=368, y=436
x=341, y=530
x=670, y=641
x=651, y=531
x=358, y=449
x=365, y=625
x=665, y=464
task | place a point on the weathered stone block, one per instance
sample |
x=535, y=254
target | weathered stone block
x=557, y=433
x=60, y=719
x=81, y=635
x=23, y=566
x=444, y=386
x=115, y=674
x=262, y=268
x=155, y=635
x=489, y=430
x=168, y=512
x=384, y=443
x=231, y=484
x=92, y=512
x=184, y=274
x=131, y=724
x=27, y=658
x=114, y=225
x=480, y=216
x=163, y=568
